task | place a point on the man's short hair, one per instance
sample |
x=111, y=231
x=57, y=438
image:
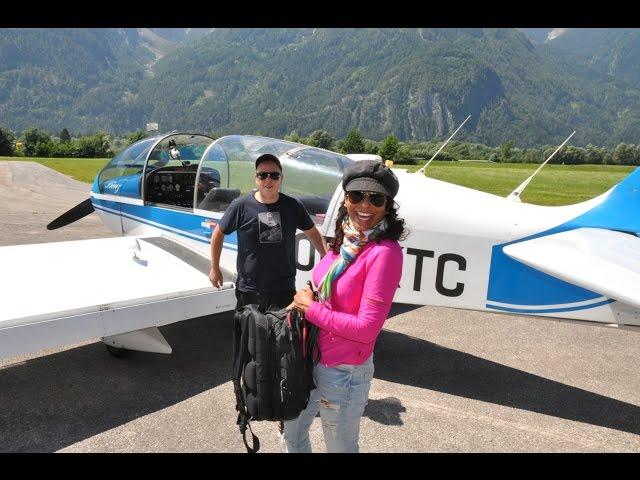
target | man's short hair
x=267, y=157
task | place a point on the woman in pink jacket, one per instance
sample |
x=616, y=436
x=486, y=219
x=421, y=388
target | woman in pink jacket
x=356, y=280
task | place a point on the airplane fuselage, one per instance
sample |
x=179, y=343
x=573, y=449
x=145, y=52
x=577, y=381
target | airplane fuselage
x=453, y=251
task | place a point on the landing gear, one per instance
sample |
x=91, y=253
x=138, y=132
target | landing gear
x=145, y=340
x=118, y=352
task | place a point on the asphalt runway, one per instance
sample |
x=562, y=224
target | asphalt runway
x=446, y=380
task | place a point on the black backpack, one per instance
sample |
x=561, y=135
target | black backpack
x=273, y=359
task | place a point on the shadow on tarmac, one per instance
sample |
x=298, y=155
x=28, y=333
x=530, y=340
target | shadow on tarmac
x=54, y=401
x=412, y=361
x=385, y=410
x=57, y=400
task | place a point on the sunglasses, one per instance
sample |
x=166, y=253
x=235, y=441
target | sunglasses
x=375, y=199
x=272, y=175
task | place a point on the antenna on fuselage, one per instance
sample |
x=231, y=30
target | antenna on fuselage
x=442, y=146
x=515, y=195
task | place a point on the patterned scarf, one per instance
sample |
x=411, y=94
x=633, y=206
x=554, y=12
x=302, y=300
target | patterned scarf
x=351, y=245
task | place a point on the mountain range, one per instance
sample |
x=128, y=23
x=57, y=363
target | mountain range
x=533, y=86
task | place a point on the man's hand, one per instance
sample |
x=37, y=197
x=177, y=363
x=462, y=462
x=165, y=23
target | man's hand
x=215, y=275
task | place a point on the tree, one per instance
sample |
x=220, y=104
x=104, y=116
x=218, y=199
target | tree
x=621, y=153
x=595, y=155
x=94, y=146
x=6, y=142
x=505, y=150
x=43, y=148
x=460, y=151
x=625, y=154
x=389, y=148
x=135, y=136
x=353, y=143
x=65, y=149
x=571, y=155
x=35, y=140
x=403, y=155
x=370, y=147
x=321, y=139
x=293, y=137
x=64, y=136
x=531, y=155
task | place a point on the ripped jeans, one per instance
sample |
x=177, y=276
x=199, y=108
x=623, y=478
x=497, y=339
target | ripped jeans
x=341, y=395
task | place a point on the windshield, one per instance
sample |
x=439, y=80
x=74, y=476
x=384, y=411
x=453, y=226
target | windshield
x=170, y=174
x=129, y=162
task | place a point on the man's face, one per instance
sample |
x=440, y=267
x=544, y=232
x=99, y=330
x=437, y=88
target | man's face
x=265, y=182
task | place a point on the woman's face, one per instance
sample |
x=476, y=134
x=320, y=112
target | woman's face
x=364, y=214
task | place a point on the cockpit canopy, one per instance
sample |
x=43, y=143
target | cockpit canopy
x=187, y=171
x=123, y=174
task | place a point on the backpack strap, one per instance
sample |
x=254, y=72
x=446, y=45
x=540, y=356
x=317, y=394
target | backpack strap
x=311, y=337
x=240, y=334
x=304, y=337
x=241, y=353
x=243, y=423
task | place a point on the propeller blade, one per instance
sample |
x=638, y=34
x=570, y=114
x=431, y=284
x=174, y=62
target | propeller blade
x=76, y=213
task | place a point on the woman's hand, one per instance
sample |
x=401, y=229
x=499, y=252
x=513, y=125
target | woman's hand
x=302, y=300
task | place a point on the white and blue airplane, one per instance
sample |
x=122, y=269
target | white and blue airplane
x=466, y=249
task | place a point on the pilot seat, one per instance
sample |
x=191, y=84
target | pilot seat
x=218, y=199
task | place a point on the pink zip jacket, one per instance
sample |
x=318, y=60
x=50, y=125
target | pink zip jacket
x=360, y=302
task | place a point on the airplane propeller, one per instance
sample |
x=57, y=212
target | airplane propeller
x=76, y=213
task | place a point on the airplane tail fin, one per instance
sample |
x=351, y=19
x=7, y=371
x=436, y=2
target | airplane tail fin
x=620, y=210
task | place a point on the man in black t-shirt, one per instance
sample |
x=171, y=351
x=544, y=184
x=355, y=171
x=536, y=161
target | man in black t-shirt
x=266, y=221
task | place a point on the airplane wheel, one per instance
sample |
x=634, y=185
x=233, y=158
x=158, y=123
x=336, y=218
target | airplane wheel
x=117, y=352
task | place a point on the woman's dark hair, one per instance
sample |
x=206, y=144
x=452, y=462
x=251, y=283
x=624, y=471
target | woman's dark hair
x=395, y=225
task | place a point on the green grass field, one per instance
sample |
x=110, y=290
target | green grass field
x=554, y=185
x=82, y=169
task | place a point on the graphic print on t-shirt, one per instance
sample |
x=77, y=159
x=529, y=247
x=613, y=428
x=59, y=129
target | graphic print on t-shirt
x=269, y=227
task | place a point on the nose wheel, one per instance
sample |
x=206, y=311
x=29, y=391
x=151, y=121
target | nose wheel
x=118, y=352
x=145, y=340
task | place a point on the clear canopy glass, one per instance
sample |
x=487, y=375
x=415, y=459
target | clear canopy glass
x=191, y=171
x=310, y=174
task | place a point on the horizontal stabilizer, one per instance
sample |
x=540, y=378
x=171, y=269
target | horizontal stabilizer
x=603, y=261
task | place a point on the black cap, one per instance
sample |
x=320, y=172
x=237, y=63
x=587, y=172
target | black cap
x=370, y=176
x=267, y=157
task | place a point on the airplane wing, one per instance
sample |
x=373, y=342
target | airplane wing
x=65, y=292
x=603, y=261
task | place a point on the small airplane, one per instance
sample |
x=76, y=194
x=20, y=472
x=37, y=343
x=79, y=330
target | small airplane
x=466, y=249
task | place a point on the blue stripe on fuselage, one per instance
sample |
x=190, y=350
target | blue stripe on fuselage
x=184, y=223
x=549, y=310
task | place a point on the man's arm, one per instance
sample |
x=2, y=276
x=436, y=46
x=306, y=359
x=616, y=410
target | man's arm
x=215, y=275
x=313, y=234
